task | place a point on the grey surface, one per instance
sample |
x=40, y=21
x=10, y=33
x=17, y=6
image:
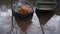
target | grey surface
x=5, y=20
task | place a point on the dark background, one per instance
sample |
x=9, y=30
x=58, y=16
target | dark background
x=58, y=7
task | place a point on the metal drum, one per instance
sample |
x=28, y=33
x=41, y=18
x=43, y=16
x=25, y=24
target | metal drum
x=15, y=7
x=45, y=7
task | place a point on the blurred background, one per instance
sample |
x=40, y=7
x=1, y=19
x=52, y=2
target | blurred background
x=4, y=4
x=8, y=3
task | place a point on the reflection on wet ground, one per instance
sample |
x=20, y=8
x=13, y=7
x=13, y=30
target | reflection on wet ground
x=43, y=18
